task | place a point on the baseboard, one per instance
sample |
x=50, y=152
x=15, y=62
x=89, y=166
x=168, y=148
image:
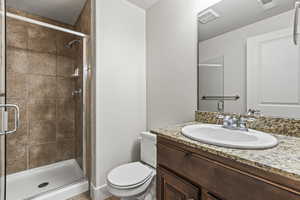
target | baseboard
x=99, y=193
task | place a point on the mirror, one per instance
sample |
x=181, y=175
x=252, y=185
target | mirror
x=247, y=58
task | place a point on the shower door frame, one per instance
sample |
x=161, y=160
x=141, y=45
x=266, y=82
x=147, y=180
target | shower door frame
x=86, y=68
x=3, y=101
x=86, y=101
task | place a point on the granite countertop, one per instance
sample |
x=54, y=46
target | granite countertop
x=284, y=159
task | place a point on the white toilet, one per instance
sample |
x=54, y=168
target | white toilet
x=136, y=181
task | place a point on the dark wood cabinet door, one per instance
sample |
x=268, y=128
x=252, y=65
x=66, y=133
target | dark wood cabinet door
x=172, y=187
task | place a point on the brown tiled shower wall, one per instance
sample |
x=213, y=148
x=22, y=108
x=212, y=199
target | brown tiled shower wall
x=39, y=69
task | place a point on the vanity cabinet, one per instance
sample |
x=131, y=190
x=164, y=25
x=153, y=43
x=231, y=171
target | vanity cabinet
x=185, y=173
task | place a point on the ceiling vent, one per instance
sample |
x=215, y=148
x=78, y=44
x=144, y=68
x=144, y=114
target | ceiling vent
x=208, y=16
x=267, y=4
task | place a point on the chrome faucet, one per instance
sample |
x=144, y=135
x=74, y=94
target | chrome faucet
x=240, y=122
x=234, y=123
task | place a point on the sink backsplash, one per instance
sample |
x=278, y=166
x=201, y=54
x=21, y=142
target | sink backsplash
x=274, y=125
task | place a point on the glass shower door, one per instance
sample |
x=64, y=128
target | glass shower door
x=2, y=99
x=211, y=85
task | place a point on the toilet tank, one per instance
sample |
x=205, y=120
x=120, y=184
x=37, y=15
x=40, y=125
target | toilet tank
x=148, y=148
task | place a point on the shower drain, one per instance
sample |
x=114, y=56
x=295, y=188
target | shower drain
x=43, y=184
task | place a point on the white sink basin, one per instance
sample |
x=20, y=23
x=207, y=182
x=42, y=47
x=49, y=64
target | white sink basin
x=219, y=136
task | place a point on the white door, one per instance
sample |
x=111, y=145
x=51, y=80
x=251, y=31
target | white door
x=273, y=74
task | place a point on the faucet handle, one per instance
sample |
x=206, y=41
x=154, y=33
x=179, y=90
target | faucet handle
x=243, y=121
x=254, y=112
x=242, y=124
x=224, y=117
x=227, y=117
x=234, y=121
x=227, y=121
x=220, y=116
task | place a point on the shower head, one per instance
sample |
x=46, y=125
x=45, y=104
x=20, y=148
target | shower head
x=72, y=43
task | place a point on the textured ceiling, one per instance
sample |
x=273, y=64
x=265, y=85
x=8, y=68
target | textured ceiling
x=66, y=11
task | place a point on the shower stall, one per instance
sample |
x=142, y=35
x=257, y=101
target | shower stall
x=44, y=73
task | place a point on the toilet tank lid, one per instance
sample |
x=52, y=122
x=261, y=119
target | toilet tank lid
x=149, y=136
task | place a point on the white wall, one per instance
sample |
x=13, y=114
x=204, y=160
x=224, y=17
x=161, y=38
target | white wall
x=171, y=61
x=120, y=82
x=232, y=46
x=120, y=85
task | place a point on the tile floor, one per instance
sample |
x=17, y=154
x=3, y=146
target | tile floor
x=85, y=196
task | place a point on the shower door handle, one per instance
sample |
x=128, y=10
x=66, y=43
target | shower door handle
x=295, y=33
x=4, y=125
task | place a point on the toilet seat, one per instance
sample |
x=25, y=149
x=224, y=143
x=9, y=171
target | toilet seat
x=129, y=176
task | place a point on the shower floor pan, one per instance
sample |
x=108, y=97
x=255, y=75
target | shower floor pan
x=57, y=181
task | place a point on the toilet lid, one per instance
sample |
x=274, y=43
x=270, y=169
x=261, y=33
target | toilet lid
x=129, y=175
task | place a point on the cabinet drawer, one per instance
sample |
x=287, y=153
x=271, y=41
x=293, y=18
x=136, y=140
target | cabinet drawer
x=227, y=183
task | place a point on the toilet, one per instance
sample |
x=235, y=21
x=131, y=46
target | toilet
x=136, y=180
